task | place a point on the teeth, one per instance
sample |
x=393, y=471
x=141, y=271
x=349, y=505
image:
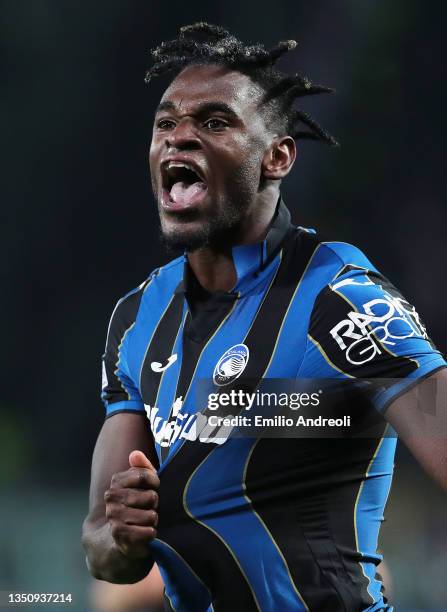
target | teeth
x=169, y=177
x=174, y=164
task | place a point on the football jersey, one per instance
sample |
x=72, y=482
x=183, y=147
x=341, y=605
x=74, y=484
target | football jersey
x=265, y=523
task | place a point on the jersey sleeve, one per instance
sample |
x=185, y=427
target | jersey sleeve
x=361, y=326
x=119, y=388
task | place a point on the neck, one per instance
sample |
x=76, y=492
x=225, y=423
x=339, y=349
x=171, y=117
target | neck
x=213, y=266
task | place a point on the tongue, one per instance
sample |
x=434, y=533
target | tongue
x=185, y=194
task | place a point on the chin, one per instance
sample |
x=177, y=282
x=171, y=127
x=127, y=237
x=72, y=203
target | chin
x=180, y=238
x=198, y=228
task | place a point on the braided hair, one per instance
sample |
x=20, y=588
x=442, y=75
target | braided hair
x=204, y=43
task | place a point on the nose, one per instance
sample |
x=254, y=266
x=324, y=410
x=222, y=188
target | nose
x=183, y=137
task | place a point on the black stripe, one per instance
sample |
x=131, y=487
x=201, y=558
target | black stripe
x=348, y=268
x=160, y=348
x=207, y=556
x=351, y=459
x=309, y=481
x=261, y=339
x=122, y=318
x=299, y=247
x=176, y=527
x=278, y=229
x=208, y=321
x=192, y=350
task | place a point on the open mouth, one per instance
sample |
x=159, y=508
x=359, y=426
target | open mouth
x=183, y=187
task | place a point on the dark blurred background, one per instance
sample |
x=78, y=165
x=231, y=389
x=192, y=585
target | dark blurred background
x=80, y=229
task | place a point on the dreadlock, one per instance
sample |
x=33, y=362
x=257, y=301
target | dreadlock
x=204, y=43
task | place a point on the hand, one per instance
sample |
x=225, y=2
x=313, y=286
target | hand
x=131, y=503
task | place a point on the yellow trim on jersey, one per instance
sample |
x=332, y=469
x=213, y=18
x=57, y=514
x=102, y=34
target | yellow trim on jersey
x=209, y=340
x=185, y=491
x=182, y=323
x=288, y=308
x=244, y=488
x=356, y=504
x=152, y=337
x=322, y=351
x=119, y=359
x=188, y=566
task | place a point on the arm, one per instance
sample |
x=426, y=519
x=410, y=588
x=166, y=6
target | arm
x=122, y=511
x=420, y=418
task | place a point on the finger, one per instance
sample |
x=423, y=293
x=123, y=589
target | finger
x=133, y=540
x=141, y=518
x=137, y=478
x=132, y=498
x=138, y=459
x=146, y=500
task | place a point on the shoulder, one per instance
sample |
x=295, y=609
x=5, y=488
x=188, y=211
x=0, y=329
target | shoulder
x=348, y=256
x=354, y=280
x=165, y=278
x=326, y=262
x=329, y=257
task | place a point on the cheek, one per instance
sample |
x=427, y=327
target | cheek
x=239, y=151
x=153, y=156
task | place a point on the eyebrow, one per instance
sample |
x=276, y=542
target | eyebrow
x=202, y=109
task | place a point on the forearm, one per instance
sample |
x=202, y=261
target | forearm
x=105, y=560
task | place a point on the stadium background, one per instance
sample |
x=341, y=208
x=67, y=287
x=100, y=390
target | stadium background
x=80, y=229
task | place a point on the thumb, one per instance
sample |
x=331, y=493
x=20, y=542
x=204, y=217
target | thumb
x=138, y=459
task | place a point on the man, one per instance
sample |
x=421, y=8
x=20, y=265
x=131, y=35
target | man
x=246, y=523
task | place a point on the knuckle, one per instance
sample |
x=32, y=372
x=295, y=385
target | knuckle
x=152, y=533
x=116, y=530
x=129, y=498
x=154, y=499
x=114, y=511
x=142, y=477
x=114, y=479
x=137, y=499
x=112, y=496
x=109, y=513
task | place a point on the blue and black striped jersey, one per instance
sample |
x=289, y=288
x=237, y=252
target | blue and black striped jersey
x=263, y=523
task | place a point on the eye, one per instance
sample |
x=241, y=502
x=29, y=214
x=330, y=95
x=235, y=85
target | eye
x=165, y=124
x=216, y=125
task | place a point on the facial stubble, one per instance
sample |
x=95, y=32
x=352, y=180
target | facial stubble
x=219, y=224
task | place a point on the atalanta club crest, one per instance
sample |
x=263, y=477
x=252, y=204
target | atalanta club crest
x=231, y=365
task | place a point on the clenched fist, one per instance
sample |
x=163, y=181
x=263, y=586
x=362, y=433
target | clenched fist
x=131, y=506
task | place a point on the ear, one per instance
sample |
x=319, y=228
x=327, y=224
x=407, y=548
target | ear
x=279, y=158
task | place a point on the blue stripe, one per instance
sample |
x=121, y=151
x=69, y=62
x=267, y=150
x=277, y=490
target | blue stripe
x=124, y=405
x=215, y=499
x=183, y=587
x=168, y=385
x=233, y=331
x=350, y=254
x=316, y=366
x=322, y=269
x=154, y=301
x=369, y=513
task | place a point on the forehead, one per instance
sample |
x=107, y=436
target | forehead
x=198, y=84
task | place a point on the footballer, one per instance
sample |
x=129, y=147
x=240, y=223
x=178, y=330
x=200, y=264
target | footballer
x=247, y=523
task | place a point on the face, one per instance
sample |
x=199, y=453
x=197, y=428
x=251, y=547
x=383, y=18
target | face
x=206, y=155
